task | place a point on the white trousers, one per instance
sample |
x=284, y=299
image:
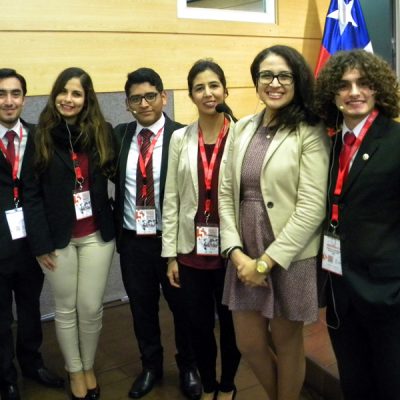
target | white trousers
x=78, y=284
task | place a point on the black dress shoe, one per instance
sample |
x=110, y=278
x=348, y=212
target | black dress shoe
x=44, y=377
x=144, y=383
x=9, y=392
x=93, y=394
x=191, y=384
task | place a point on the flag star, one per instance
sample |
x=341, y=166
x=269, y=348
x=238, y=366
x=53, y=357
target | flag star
x=343, y=15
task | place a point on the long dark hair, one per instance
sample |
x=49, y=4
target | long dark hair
x=91, y=122
x=301, y=107
x=208, y=64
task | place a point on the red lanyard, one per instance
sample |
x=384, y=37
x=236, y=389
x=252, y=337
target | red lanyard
x=343, y=169
x=143, y=163
x=15, y=167
x=78, y=172
x=209, y=168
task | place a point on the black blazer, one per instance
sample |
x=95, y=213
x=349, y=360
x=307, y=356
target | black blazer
x=369, y=223
x=9, y=247
x=124, y=134
x=49, y=209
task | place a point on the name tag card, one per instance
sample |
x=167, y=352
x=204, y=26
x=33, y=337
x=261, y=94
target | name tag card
x=146, y=222
x=207, y=240
x=83, y=205
x=331, y=257
x=16, y=223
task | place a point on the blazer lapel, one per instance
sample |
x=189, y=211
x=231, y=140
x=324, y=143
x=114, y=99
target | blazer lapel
x=123, y=158
x=192, y=153
x=168, y=130
x=277, y=140
x=365, y=152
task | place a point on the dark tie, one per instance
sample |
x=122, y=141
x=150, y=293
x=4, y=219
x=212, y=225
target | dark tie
x=348, y=141
x=146, y=136
x=10, y=135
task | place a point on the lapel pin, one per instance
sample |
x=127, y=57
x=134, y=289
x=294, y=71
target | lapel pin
x=365, y=156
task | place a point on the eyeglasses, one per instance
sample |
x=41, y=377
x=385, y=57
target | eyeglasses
x=267, y=77
x=137, y=99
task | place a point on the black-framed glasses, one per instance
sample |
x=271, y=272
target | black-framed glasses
x=137, y=98
x=267, y=77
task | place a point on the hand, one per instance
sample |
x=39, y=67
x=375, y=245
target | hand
x=48, y=260
x=249, y=275
x=173, y=273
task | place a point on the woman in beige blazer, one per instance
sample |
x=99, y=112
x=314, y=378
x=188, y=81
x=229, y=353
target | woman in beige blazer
x=191, y=227
x=272, y=203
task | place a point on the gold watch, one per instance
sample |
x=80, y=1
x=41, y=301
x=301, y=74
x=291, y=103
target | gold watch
x=262, y=266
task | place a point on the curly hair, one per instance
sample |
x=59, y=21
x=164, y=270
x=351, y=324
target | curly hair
x=90, y=120
x=301, y=108
x=377, y=71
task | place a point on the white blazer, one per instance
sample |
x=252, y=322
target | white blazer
x=293, y=184
x=181, y=194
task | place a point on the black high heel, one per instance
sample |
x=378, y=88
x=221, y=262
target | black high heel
x=93, y=394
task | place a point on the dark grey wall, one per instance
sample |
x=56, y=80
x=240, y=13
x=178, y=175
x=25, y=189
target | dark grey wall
x=378, y=16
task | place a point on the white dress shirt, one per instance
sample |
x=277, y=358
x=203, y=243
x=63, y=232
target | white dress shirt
x=19, y=147
x=131, y=170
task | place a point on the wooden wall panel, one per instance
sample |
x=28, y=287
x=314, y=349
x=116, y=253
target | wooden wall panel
x=110, y=38
x=294, y=18
x=108, y=57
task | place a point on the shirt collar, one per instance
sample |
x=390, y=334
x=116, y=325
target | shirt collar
x=15, y=128
x=154, y=127
x=357, y=129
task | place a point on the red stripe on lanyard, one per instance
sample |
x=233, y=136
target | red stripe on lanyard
x=143, y=163
x=15, y=167
x=344, y=169
x=209, y=168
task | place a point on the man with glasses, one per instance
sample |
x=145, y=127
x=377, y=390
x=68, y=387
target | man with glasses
x=140, y=180
x=357, y=95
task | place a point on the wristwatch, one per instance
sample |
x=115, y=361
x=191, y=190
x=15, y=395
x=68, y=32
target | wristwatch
x=262, y=266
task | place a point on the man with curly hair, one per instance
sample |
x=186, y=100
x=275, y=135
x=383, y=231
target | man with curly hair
x=357, y=96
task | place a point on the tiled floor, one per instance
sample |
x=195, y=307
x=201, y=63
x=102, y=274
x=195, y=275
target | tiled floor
x=118, y=362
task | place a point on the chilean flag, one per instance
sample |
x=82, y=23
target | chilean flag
x=345, y=29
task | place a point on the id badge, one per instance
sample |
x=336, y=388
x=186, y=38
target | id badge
x=83, y=205
x=207, y=240
x=146, y=222
x=16, y=223
x=331, y=256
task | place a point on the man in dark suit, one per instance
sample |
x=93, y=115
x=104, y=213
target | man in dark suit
x=358, y=95
x=19, y=272
x=140, y=180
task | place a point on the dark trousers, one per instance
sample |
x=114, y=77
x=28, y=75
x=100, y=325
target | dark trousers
x=22, y=276
x=143, y=270
x=202, y=291
x=367, y=350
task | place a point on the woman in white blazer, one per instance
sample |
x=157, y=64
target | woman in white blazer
x=272, y=203
x=191, y=227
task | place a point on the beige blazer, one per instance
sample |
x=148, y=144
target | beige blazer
x=182, y=191
x=293, y=184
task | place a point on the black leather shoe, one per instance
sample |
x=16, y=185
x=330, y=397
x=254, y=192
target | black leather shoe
x=144, y=383
x=9, y=392
x=191, y=384
x=93, y=394
x=45, y=377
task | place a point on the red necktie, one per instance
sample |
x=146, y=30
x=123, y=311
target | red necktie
x=10, y=135
x=348, y=141
x=146, y=136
